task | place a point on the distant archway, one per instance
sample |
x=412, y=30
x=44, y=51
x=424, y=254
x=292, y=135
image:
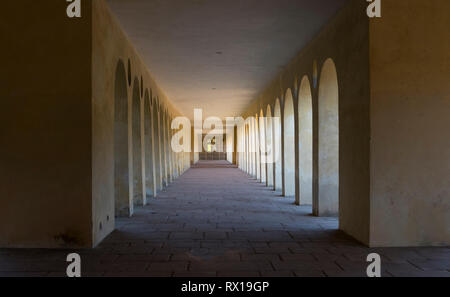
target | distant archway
x=269, y=147
x=289, y=145
x=137, y=144
x=328, y=198
x=122, y=198
x=305, y=126
x=276, y=123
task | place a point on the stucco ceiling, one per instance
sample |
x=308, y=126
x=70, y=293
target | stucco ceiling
x=219, y=54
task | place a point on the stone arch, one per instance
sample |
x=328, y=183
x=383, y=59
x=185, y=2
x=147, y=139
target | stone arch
x=122, y=197
x=149, y=149
x=257, y=150
x=262, y=146
x=162, y=146
x=243, y=148
x=242, y=154
x=171, y=153
x=157, y=145
x=167, y=146
x=305, y=145
x=328, y=196
x=240, y=147
x=269, y=147
x=250, y=146
x=166, y=126
x=247, y=147
x=174, y=154
x=276, y=123
x=289, y=145
x=136, y=132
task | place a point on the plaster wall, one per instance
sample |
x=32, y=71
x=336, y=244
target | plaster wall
x=410, y=108
x=45, y=131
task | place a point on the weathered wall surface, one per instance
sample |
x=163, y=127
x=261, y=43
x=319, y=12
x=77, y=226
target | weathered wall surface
x=45, y=131
x=345, y=40
x=111, y=45
x=410, y=122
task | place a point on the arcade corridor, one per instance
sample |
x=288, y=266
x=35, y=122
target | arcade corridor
x=225, y=138
x=215, y=220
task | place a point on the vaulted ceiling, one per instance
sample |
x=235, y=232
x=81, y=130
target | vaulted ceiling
x=219, y=54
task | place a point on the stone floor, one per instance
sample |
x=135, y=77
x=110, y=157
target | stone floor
x=220, y=222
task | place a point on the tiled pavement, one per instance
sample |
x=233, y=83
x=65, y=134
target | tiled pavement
x=220, y=222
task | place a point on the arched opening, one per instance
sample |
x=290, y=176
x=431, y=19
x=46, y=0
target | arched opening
x=257, y=150
x=174, y=155
x=270, y=158
x=289, y=145
x=149, y=150
x=247, y=147
x=162, y=146
x=328, y=198
x=250, y=147
x=168, y=150
x=305, y=126
x=262, y=146
x=276, y=123
x=241, y=147
x=122, y=198
x=244, y=148
x=157, y=146
x=137, y=145
x=169, y=137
